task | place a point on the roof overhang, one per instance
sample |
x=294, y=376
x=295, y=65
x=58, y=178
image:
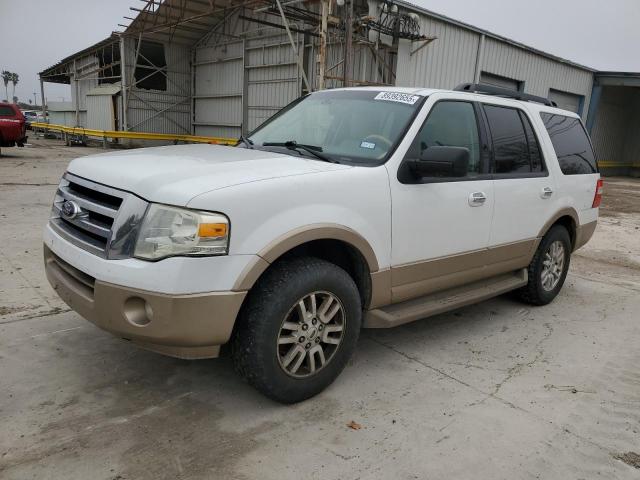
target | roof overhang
x=618, y=79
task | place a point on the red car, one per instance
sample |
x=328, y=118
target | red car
x=13, y=126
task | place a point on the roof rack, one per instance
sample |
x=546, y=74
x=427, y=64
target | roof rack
x=485, y=89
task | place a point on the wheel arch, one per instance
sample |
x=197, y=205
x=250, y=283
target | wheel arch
x=568, y=218
x=337, y=244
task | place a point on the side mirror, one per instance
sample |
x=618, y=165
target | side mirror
x=440, y=161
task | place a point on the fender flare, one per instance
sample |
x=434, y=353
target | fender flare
x=300, y=236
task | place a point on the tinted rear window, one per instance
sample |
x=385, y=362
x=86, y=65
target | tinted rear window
x=6, y=111
x=571, y=143
x=511, y=153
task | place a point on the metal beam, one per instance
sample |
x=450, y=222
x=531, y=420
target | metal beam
x=123, y=77
x=293, y=46
x=322, y=55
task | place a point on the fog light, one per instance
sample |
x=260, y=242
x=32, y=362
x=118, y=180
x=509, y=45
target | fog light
x=138, y=312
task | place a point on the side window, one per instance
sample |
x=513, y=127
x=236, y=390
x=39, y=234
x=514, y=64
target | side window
x=571, y=144
x=452, y=124
x=535, y=152
x=6, y=111
x=510, y=146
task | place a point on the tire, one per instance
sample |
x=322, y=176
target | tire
x=538, y=291
x=269, y=315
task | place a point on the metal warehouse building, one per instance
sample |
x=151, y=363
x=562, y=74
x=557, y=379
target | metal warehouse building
x=218, y=69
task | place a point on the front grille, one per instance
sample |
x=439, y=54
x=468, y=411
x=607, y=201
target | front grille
x=94, y=209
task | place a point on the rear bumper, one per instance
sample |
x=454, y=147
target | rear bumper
x=184, y=326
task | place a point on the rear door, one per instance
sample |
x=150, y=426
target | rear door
x=525, y=192
x=578, y=176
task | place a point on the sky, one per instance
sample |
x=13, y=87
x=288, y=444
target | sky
x=601, y=34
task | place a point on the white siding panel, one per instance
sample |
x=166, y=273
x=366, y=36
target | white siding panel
x=445, y=63
x=219, y=80
x=539, y=74
x=100, y=112
x=451, y=60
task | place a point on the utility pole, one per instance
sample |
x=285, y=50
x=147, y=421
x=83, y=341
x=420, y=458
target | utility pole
x=322, y=56
x=35, y=99
x=348, y=43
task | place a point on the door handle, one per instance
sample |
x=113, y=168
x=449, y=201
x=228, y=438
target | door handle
x=546, y=192
x=477, y=199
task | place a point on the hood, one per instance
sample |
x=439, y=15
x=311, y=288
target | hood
x=176, y=174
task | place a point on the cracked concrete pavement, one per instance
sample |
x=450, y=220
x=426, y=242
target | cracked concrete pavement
x=496, y=390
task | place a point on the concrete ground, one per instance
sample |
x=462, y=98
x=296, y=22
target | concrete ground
x=498, y=390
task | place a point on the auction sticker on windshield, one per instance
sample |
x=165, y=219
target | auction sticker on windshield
x=397, y=97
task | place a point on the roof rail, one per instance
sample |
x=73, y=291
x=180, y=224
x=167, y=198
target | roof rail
x=485, y=89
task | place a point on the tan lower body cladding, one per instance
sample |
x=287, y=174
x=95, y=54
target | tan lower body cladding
x=414, y=280
x=184, y=326
x=408, y=292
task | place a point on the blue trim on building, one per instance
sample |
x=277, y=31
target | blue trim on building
x=596, y=93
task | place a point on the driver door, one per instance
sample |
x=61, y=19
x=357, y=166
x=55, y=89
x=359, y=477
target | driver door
x=441, y=225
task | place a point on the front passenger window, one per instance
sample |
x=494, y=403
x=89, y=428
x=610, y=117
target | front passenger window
x=452, y=124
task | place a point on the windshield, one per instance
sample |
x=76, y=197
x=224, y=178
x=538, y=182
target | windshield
x=345, y=125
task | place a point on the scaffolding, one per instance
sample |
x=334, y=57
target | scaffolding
x=333, y=43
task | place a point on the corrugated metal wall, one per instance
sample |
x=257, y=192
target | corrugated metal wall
x=161, y=111
x=100, y=112
x=538, y=73
x=445, y=63
x=243, y=82
x=632, y=144
x=247, y=81
x=84, y=66
x=219, y=80
x=272, y=78
x=451, y=60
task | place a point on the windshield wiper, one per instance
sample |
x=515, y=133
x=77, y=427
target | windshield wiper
x=246, y=141
x=293, y=145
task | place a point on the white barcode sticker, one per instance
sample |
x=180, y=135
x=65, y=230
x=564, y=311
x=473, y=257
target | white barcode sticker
x=398, y=97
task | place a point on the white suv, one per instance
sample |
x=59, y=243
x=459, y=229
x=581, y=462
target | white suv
x=350, y=208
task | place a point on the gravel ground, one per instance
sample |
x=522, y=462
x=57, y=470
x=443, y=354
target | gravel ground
x=499, y=390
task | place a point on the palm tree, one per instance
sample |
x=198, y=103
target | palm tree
x=6, y=76
x=14, y=79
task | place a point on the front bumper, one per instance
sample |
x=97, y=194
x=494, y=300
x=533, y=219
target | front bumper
x=184, y=326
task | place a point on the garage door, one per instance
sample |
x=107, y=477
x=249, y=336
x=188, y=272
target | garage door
x=498, y=81
x=566, y=101
x=219, y=80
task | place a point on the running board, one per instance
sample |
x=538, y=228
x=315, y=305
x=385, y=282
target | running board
x=435, y=303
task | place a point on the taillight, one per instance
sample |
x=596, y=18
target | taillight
x=597, y=198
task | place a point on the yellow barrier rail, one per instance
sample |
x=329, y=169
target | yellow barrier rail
x=133, y=135
x=612, y=164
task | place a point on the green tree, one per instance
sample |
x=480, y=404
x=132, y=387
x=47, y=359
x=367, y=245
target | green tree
x=14, y=79
x=6, y=77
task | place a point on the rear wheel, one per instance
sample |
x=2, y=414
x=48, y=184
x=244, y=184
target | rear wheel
x=298, y=329
x=548, y=268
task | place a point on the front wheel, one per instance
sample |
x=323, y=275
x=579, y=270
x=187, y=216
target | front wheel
x=548, y=268
x=298, y=329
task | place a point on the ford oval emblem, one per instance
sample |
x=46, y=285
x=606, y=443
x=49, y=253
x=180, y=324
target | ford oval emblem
x=70, y=209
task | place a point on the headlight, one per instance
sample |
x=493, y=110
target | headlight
x=169, y=231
